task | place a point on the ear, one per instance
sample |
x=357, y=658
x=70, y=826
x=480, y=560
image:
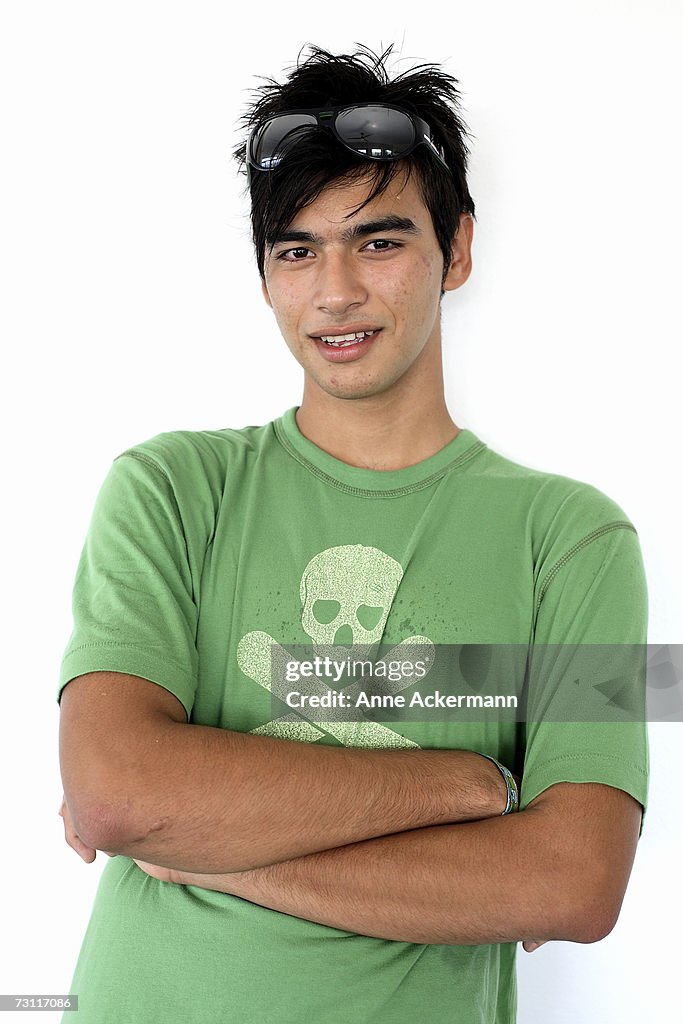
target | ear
x=461, y=264
x=264, y=289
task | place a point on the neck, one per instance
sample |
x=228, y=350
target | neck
x=393, y=429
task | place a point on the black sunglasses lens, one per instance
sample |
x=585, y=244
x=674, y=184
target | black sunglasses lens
x=378, y=132
x=276, y=135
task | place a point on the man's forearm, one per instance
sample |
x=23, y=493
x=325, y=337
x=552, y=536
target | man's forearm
x=212, y=800
x=497, y=880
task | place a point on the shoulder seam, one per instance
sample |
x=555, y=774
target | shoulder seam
x=147, y=460
x=550, y=575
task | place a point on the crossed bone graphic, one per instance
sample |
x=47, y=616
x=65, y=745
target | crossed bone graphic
x=359, y=584
x=254, y=654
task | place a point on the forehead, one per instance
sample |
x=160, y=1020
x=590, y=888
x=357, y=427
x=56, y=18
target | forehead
x=336, y=209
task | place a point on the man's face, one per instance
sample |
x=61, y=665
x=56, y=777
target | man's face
x=380, y=270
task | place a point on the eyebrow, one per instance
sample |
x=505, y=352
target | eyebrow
x=361, y=230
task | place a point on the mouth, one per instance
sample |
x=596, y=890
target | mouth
x=338, y=340
x=347, y=347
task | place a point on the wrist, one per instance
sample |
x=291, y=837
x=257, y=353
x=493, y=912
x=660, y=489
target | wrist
x=476, y=789
x=506, y=799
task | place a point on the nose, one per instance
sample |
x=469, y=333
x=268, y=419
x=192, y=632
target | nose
x=338, y=286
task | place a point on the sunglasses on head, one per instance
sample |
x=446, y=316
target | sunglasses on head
x=373, y=131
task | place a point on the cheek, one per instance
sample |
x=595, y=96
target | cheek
x=419, y=289
x=284, y=305
x=432, y=270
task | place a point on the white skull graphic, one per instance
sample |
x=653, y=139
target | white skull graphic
x=346, y=593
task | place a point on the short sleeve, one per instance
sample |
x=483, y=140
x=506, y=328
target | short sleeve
x=133, y=603
x=594, y=593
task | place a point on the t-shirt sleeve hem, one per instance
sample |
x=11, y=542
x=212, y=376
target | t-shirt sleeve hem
x=601, y=768
x=132, y=661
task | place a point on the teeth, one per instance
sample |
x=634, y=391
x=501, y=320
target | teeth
x=342, y=340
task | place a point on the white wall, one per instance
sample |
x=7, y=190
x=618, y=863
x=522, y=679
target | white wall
x=132, y=306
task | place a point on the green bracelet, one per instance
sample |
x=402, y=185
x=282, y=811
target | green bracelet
x=513, y=793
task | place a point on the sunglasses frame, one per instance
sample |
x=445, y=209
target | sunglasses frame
x=326, y=117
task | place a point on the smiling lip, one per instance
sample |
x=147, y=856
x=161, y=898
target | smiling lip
x=348, y=353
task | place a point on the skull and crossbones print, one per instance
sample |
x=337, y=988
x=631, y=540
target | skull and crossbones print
x=346, y=591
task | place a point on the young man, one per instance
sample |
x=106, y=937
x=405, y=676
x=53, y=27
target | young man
x=271, y=867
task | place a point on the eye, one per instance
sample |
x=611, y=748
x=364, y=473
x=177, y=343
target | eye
x=384, y=244
x=293, y=255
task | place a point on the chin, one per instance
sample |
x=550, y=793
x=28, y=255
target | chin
x=355, y=392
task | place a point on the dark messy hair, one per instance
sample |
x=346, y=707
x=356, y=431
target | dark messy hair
x=317, y=159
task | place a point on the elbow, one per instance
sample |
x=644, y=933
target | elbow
x=602, y=916
x=99, y=827
x=100, y=815
x=592, y=916
x=104, y=826
x=104, y=816
x=592, y=925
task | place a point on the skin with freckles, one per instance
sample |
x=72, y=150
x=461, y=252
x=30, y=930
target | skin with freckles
x=324, y=276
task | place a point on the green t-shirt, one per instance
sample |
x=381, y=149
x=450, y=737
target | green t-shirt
x=204, y=548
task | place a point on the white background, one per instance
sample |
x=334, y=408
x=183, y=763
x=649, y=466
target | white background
x=131, y=305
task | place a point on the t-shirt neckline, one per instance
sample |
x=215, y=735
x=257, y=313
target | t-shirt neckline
x=456, y=453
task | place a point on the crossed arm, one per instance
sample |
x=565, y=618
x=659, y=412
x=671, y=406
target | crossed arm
x=406, y=845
